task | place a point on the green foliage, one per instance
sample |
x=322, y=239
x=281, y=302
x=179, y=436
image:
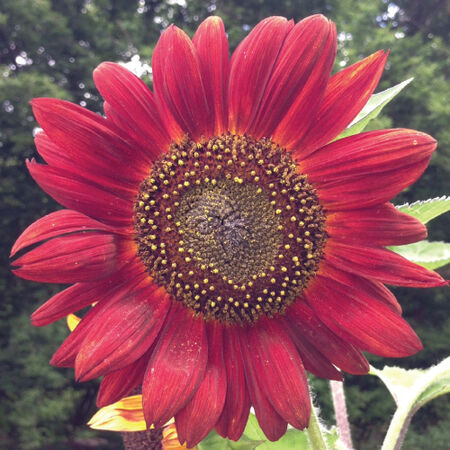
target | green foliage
x=372, y=109
x=428, y=209
x=431, y=255
x=411, y=390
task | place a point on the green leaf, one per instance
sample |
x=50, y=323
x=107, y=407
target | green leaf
x=431, y=255
x=333, y=440
x=411, y=390
x=372, y=108
x=292, y=439
x=215, y=442
x=427, y=209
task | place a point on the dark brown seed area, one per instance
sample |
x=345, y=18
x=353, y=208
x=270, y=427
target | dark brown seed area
x=229, y=227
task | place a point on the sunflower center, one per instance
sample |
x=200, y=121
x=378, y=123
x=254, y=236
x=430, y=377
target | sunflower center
x=229, y=227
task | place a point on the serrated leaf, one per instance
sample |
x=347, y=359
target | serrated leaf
x=431, y=255
x=426, y=210
x=215, y=442
x=372, y=108
x=292, y=439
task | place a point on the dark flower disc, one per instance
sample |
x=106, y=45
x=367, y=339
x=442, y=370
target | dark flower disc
x=229, y=227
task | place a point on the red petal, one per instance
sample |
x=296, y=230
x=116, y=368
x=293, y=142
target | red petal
x=298, y=82
x=89, y=140
x=308, y=327
x=280, y=372
x=211, y=44
x=369, y=168
x=381, y=264
x=52, y=154
x=234, y=416
x=346, y=94
x=200, y=415
x=81, y=295
x=251, y=67
x=121, y=382
x=176, y=367
x=367, y=153
x=56, y=224
x=66, y=354
x=130, y=97
x=312, y=359
x=123, y=333
x=77, y=257
x=380, y=225
x=178, y=84
x=272, y=424
x=362, y=320
x=372, y=288
x=82, y=195
x=58, y=158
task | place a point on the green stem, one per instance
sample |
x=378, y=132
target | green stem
x=397, y=429
x=314, y=433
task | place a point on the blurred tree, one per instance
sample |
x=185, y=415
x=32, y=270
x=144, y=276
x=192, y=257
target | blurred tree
x=50, y=47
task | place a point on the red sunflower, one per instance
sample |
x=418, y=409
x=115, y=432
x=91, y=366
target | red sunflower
x=228, y=242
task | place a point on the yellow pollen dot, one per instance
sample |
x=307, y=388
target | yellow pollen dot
x=307, y=233
x=187, y=259
x=141, y=203
x=213, y=304
x=293, y=219
x=273, y=280
x=245, y=305
x=287, y=246
x=190, y=273
x=146, y=196
x=309, y=255
x=143, y=220
x=236, y=303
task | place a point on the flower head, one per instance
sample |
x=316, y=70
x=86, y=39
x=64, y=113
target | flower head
x=228, y=240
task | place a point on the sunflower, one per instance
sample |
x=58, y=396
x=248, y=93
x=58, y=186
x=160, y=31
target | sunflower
x=228, y=240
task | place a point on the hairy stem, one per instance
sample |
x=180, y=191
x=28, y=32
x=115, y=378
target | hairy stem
x=397, y=429
x=340, y=411
x=316, y=439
